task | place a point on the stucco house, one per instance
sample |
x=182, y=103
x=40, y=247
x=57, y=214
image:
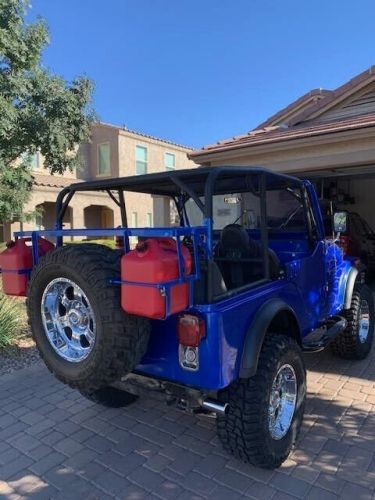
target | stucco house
x=325, y=135
x=112, y=152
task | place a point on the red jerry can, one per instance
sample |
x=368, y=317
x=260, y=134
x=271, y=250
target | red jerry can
x=16, y=263
x=154, y=261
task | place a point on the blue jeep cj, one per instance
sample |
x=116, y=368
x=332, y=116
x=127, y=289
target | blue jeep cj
x=215, y=310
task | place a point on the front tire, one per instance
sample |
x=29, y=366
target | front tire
x=356, y=340
x=266, y=411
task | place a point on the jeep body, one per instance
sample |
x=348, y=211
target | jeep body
x=261, y=264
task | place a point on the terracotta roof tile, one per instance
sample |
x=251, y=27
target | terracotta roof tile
x=142, y=134
x=278, y=134
x=53, y=181
x=299, y=126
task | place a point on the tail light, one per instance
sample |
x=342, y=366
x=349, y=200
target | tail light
x=190, y=331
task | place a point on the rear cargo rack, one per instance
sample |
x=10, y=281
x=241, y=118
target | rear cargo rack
x=199, y=238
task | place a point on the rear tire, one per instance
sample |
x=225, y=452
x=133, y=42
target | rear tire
x=249, y=430
x=116, y=340
x=356, y=340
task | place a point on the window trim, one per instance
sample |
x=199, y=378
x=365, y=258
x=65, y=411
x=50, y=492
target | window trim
x=141, y=161
x=135, y=217
x=31, y=156
x=98, y=174
x=149, y=215
x=35, y=156
x=169, y=169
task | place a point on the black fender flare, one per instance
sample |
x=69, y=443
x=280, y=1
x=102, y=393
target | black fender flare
x=256, y=333
x=349, y=287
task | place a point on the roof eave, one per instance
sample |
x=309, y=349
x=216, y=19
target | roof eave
x=238, y=151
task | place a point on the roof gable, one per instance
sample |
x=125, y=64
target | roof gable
x=347, y=109
x=286, y=114
x=360, y=103
x=345, y=97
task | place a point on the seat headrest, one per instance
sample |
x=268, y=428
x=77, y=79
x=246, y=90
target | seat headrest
x=235, y=240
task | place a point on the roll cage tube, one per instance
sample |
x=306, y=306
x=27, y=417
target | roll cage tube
x=186, y=189
x=315, y=207
x=209, y=193
x=184, y=184
x=62, y=202
x=64, y=198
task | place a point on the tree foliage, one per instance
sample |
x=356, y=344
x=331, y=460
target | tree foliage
x=39, y=111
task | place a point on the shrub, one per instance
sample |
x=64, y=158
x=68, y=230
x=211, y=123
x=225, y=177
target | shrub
x=9, y=320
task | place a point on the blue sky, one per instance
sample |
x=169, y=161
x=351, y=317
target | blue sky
x=195, y=71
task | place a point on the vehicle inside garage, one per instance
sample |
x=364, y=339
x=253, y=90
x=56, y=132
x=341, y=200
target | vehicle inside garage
x=354, y=194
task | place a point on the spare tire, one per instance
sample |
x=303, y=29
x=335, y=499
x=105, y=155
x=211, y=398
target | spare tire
x=76, y=320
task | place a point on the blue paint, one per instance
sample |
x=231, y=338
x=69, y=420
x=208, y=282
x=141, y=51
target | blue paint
x=313, y=286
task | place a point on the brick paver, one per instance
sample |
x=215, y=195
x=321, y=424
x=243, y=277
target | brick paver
x=55, y=444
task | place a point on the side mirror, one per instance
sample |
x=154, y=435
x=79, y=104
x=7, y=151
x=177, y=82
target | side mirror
x=340, y=222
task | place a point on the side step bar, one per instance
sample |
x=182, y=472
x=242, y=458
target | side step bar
x=318, y=339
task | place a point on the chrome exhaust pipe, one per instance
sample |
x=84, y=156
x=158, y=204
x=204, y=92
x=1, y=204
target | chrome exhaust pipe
x=215, y=406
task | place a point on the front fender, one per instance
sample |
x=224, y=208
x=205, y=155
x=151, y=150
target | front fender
x=349, y=286
x=256, y=333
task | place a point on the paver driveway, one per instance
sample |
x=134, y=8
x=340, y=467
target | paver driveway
x=55, y=444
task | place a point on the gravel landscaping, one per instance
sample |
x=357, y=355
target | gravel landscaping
x=22, y=351
x=18, y=356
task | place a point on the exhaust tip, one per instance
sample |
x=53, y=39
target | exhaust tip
x=215, y=406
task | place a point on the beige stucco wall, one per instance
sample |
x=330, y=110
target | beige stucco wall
x=78, y=204
x=123, y=163
x=143, y=204
x=122, y=158
x=102, y=134
x=39, y=169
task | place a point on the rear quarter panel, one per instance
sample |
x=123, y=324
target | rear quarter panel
x=220, y=352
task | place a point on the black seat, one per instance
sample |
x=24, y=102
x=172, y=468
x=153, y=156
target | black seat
x=234, y=246
x=233, y=253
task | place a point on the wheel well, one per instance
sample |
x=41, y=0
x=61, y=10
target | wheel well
x=285, y=322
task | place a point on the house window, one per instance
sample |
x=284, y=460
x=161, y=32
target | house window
x=140, y=160
x=34, y=160
x=31, y=159
x=169, y=161
x=104, y=159
x=39, y=221
x=149, y=221
x=134, y=219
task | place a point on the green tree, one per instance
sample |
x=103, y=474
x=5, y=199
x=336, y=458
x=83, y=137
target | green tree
x=39, y=111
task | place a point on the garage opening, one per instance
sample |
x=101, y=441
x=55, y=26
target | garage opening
x=351, y=190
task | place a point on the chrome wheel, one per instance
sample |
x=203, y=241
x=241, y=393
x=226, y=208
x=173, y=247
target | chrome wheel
x=282, y=403
x=68, y=320
x=363, y=321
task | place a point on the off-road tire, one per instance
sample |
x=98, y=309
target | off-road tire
x=347, y=345
x=244, y=430
x=110, y=396
x=121, y=339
